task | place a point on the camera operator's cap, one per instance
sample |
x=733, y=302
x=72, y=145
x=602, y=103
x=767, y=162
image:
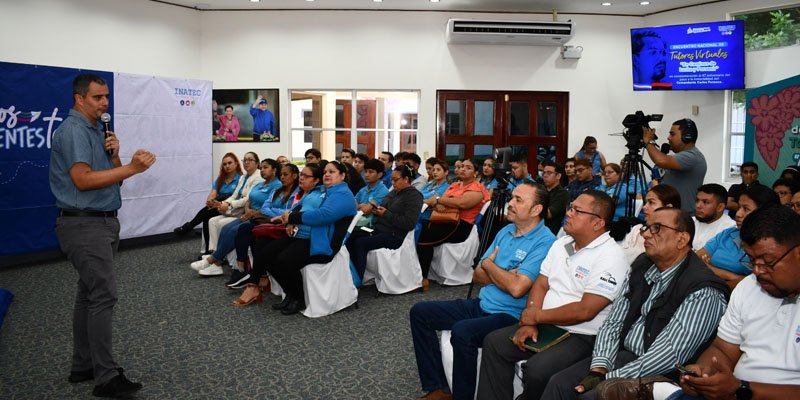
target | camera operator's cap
x=263, y=101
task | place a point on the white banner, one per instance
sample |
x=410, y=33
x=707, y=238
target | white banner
x=170, y=117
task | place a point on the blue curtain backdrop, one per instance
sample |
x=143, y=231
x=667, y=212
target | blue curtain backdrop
x=34, y=99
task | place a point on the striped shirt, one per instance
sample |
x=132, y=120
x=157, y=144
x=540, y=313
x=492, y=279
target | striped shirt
x=692, y=324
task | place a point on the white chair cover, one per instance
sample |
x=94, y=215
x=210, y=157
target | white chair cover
x=329, y=287
x=395, y=271
x=452, y=262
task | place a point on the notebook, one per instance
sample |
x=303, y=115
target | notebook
x=549, y=336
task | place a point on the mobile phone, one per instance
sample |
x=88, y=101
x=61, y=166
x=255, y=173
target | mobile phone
x=685, y=371
x=367, y=229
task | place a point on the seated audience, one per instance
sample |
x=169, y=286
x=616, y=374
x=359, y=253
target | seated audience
x=429, y=167
x=584, y=180
x=667, y=313
x=230, y=171
x=580, y=276
x=785, y=189
x=709, y=213
x=228, y=126
x=313, y=156
x=260, y=194
x=466, y=196
x=354, y=179
x=755, y=354
x=232, y=208
x=281, y=200
x=435, y=187
x=359, y=162
x=614, y=188
x=397, y=214
x=308, y=197
x=588, y=151
x=373, y=193
x=569, y=172
x=519, y=171
x=749, y=173
x=387, y=158
x=488, y=179
x=282, y=160
x=559, y=197
x=324, y=233
x=456, y=167
x=414, y=161
x=724, y=253
x=347, y=156
x=657, y=197
x=507, y=270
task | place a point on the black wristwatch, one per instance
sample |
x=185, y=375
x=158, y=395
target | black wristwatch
x=744, y=392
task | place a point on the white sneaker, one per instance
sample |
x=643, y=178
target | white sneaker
x=214, y=270
x=201, y=265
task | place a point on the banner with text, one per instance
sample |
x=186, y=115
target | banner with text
x=772, y=131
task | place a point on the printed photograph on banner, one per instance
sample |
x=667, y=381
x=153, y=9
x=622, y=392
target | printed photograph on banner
x=245, y=115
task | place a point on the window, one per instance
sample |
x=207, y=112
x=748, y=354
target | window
x=764, y=29
x=365, y=121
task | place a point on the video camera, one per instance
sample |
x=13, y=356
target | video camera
x=502, y=166
x=634, y=129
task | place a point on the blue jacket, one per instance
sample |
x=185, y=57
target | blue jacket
x=277, y=206
x=337, y=203
x=263, y=121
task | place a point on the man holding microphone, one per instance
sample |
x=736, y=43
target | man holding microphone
x=85, y=178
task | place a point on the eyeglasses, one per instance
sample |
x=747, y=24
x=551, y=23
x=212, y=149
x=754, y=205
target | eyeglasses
x=580, y=170
x=249, y=160
x=548, y=173
x=307, y=176
x=782, y=193
x=766, y=267
x=656, y=228
x=795, y=206
x=575, y=210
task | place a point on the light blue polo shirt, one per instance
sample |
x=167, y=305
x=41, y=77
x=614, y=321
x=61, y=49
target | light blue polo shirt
x=263, y=193
x=226, y=190
x=78, y=141
x=526, y=253
x=725, y=250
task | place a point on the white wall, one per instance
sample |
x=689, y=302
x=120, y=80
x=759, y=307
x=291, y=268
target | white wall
x=375, y=50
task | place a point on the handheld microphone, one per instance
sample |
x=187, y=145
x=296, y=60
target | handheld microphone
x=106, y=118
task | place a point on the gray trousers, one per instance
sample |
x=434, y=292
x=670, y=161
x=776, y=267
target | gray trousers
x=90, y=244
x=500, y=354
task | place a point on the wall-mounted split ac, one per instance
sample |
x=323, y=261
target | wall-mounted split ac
x=527, y=33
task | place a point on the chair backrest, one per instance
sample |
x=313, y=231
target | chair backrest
x=353, y=223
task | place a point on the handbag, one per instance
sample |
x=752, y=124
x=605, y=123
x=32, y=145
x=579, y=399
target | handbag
x=271, y=231
x=450, y=215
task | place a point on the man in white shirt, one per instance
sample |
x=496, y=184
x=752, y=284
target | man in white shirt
x=580, y=276
x=709, y=209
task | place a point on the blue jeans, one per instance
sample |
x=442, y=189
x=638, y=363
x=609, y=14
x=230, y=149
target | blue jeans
x=227, y=239
x=468, y=325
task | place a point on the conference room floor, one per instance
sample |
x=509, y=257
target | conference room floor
x=180, y=336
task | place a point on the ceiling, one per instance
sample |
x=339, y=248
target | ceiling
x=618, y=7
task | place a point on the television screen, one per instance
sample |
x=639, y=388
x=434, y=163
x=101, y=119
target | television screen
x=702, y=56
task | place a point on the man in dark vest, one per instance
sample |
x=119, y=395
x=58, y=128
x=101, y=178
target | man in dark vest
x=668, y=313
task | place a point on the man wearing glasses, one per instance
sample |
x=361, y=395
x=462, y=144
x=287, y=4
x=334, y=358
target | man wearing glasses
x=580, y=276
x=756, y=353
x=313, y=155
x=585, y=179
x=667, y=314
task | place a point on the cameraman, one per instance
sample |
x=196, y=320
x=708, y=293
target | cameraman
x=686, y=170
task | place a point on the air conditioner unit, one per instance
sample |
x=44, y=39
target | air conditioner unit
x=527, y=33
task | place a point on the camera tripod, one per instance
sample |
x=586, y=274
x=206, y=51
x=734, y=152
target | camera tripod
x=634, y=180
x=493, y=221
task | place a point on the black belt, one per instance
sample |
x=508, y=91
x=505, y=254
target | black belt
x=82, y=213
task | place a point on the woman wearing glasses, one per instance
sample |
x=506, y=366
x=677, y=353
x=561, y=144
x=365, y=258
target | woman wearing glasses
x=657, y=197
x=611, y=174
x=466, y=195
x=230, y=170
x=724, y=253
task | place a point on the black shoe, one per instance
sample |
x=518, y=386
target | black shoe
x=80, y=376
x=282, y=304
x=118, y=386
x=238, y=279
x=294, y=307
x=183, y=229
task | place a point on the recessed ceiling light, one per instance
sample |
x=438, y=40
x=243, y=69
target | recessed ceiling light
x=644, y=3
x=377, y=1
x=606, y=4
x=434, y=1
x=254, y=1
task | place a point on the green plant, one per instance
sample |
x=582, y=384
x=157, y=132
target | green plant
x=771, y=29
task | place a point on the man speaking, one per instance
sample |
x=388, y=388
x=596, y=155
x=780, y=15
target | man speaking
x=85, y=177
